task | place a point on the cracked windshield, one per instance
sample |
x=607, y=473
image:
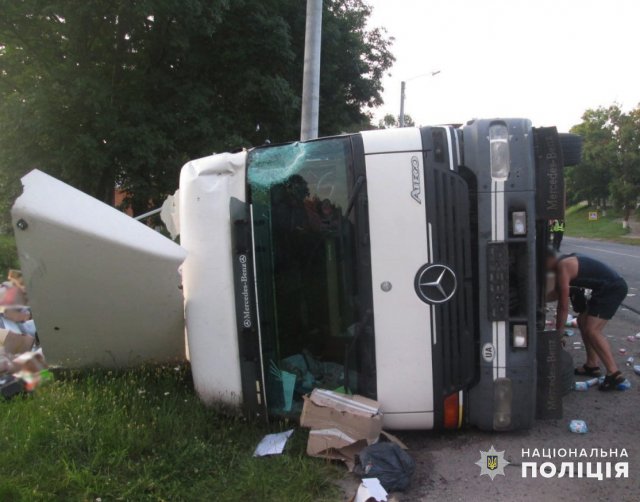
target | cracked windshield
x=306, y=273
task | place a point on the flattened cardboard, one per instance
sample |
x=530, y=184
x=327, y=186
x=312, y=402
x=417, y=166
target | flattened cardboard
x=356, y=416
x=14, y=343
x=341, y=426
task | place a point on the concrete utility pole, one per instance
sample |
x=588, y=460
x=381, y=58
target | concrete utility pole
x=403, y=88
x=311, y=77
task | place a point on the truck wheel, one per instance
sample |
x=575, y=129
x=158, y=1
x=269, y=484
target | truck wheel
x=571, y=148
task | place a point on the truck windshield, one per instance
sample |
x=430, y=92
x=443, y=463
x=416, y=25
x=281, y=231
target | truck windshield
x=306, y=267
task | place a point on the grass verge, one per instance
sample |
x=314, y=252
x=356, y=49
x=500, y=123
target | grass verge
x=144, y=435
x=607, y=227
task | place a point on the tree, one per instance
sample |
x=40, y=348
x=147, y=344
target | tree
x=390, y=121
x=590, y=180
x=123, y=93
x=611, y=159
x=625, y=185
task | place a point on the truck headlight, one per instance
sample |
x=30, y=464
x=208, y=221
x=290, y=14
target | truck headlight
x=519, y=222
x=519, y=336
x=499, y=152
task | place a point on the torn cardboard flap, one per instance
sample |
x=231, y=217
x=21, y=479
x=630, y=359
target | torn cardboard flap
x=355, y=405
x=332, y=445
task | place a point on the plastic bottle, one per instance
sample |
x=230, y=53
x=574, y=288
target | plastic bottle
x=626, y=385
x=578, y=426
x=581, y=386
x=592, y=382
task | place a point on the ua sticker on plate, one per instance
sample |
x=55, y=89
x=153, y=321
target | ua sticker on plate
x=488, y=352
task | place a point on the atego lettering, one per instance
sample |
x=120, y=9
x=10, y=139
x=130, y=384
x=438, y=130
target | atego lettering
x=416, y=190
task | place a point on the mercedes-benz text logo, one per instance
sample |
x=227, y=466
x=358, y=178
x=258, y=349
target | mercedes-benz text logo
x=436, y=283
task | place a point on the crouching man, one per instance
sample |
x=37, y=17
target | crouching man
x=574, y=273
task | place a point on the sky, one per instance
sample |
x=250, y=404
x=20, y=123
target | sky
x=547, y=60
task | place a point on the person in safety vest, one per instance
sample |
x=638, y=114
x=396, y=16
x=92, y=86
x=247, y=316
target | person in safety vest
x=556, y=227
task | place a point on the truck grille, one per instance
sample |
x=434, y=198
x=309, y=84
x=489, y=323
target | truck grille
x=453, y=246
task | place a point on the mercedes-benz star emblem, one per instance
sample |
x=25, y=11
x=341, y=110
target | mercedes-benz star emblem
x=436, y=283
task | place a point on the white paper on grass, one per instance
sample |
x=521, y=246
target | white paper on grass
x=370, y=488
x=272, y=444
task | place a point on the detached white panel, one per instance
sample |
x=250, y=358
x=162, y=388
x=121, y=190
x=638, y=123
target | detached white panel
x=398, y=228
x=206, y=188
x=104, y=288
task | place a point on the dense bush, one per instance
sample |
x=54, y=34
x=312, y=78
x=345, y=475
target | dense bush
x=8, y=254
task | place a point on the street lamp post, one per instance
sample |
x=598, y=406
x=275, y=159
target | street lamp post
x=311, y=72
x=403, y=88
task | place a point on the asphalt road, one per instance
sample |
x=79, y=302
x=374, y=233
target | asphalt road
x=622, y=257
x=446, y=463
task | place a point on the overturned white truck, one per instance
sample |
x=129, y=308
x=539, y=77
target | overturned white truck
x=405, y=265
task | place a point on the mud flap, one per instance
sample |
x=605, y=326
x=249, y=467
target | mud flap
x=549, y=389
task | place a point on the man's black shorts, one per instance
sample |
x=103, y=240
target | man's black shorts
x=604, y=302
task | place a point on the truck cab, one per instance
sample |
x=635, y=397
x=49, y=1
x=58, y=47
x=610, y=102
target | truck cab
x=405, y=265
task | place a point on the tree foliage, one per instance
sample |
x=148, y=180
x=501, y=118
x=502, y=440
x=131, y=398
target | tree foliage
x=124, y=92
x=590, y=180
x=611, y=159
x=389, y=121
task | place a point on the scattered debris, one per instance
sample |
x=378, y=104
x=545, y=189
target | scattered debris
x=624, y=385
x=272, y=444
x=630, y=360
x=622, y=351
x=578, y=426
x=631, y=338
x=21, y=368
x=341, y=426
x=636, y=368
x=569, y=332
x=389, y=463
x=10, y=386
x=586, y=385
x=370, y=489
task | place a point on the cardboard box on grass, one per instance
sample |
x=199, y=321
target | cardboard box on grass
x=341, y=426
x=15, y=343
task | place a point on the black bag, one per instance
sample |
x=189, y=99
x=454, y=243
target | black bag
x=389, y=463
x=10, y=386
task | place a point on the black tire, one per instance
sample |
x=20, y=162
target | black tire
x=571, y=148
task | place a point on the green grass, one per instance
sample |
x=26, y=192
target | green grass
x=607, y=227
x=144, y=435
